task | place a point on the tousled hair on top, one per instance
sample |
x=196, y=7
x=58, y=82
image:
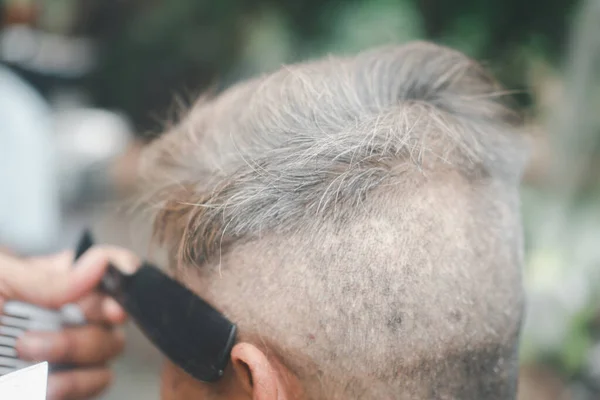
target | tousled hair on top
x=376, y=197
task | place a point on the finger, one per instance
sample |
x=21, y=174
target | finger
x=121, y=258
x=78, y=384
x=113, y=312
x=87, y=345
x=101, y=309
x=62, y=261
x=51, y=288
x=11, y=265
x=124, y=259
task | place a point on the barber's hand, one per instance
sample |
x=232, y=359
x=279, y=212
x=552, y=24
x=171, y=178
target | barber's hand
x=53, y=282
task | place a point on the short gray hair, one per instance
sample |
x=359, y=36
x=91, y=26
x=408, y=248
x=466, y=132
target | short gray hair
x=362, y=213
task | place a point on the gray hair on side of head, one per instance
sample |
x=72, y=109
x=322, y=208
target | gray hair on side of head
x=312, y=138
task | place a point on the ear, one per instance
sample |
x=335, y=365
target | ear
x=257, y=376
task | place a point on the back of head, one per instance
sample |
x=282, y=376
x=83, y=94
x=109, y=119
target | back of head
x=358, y=217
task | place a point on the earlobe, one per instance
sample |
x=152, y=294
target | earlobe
x=255, y=373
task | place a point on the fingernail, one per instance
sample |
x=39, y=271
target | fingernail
x=112, y=310
x=33, y=347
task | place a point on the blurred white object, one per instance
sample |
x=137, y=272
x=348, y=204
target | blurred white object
x=29, y=199
x=46, y=53
x=25, y=384
x=89, y=140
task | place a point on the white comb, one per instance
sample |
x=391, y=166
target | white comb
x=18, y=318
x=25, y=384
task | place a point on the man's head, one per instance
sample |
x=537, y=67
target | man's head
x=358, y=219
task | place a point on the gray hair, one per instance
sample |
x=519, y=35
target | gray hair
x=359, y=215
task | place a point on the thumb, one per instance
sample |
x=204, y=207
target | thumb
x=47, y=286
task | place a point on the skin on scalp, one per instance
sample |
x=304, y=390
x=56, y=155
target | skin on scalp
x=358, y=218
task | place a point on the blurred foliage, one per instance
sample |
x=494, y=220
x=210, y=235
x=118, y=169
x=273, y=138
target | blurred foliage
x=153, y=50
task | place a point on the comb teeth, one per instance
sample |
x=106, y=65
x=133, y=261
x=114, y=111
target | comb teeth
x=13, y=323
x=18, y=318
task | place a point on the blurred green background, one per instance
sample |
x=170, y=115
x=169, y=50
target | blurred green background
x=152, y=50
x=546, y=52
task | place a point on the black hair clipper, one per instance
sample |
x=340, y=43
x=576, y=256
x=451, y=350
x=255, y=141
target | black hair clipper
x=186, y=329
